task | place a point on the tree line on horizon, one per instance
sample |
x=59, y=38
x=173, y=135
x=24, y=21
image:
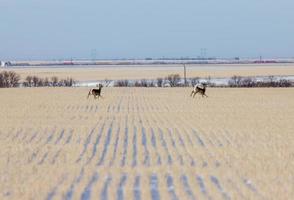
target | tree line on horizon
x=10, y=79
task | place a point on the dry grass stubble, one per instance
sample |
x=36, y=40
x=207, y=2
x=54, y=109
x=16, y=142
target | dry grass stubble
x=151, y=142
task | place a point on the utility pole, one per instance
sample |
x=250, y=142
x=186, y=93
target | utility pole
x=185, y=75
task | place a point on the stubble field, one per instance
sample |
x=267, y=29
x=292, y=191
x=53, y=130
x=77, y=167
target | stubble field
x=151, y=143
x=133, y=72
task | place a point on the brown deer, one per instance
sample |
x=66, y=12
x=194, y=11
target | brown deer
x=199, y=88
x=96, y=92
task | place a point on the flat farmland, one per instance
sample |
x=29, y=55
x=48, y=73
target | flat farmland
x=146, y=143
x=112, y=72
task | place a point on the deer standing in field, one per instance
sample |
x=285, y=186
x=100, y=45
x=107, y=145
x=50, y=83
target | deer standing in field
x=96, y=92
x=199, y=88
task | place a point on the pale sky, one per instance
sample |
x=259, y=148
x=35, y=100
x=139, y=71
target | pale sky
x=62, y=29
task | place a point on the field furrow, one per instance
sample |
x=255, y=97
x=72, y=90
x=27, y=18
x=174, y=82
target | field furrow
x=142, y=143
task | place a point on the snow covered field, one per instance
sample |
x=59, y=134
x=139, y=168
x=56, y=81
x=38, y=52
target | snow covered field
x=146, y=143
x=137, y=72
x=216, y=81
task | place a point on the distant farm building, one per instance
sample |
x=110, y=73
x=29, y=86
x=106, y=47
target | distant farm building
x=265, y=61
x=4, y=64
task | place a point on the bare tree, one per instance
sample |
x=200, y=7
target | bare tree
x=41, y=82
x=144, y=83
x=159, y=82
x=6, y=79
x=9, y=79
x=151, y=83
x=235, y=81
x=137, y=84
x=68, y=82
x=54, y=80
x=46, y=82
x=272, y=82
x=122, y=83
x=1, y=80
x=28, y=81
x=107, y=82
x=13, y=79
x=271, y=79
x=284, y=83
x=173, y=79
x=247, y=82
x=35, y=80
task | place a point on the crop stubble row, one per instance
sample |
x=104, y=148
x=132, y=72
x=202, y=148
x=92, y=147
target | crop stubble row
x=132, y=144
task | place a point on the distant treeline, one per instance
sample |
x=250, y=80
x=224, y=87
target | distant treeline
x=34, y=81
x=172, y=80
x=175, y=80
x=239, y=81
x=10, y=79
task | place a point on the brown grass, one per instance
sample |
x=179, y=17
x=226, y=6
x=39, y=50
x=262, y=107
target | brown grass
x=247, y=134
x=152, y=72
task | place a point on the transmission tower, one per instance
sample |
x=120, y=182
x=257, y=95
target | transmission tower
x=93, y=54
x=203, y=53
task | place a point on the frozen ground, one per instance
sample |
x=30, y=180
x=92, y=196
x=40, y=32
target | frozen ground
x=214, y=80
x=146, y=143
x=137, y=72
